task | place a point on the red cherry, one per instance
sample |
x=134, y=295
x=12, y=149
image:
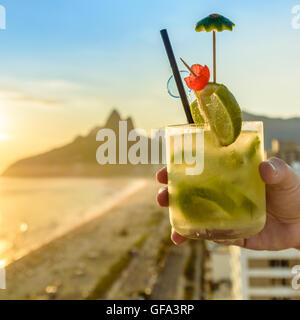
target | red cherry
x=201, y=79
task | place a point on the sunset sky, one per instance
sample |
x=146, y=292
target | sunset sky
x=66, y=63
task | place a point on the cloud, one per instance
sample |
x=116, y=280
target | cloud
x=46, y=92
x=61, y=84
x=16, y=96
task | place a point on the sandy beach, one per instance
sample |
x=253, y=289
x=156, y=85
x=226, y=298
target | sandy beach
x=70, y=266
x=125, y=253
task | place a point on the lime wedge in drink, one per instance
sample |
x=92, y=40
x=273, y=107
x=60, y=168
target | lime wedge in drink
x=222, y=112
x=197, y=209
x=241, y=202
x=219, y=199
x=196, y=113
x=202, y=204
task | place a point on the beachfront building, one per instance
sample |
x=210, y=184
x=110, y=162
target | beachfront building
x=296, y=167
x=264, y=275
x=288, y=150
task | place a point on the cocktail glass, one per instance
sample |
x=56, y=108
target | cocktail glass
x=215, y=192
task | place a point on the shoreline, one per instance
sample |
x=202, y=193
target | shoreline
x=70, y=266
x=91, y=214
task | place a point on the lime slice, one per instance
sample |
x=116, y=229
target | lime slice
x=200, y=210
x=201, y=204
x=196, y=113
x=241, y=201
x=222, y=112
x=219, y=199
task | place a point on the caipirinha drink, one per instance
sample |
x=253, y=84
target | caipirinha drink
x=220, y=196
x=225, y=201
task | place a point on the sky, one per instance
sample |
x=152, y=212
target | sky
x=64, y=64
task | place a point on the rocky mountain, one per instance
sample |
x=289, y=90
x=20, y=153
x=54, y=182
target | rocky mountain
x=78, y=158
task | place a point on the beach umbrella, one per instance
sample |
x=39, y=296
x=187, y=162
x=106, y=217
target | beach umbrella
x=215, y=23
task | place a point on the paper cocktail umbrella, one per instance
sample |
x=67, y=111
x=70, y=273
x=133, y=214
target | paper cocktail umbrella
x=215, y=23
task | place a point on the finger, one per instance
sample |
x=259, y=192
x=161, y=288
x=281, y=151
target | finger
x=163, y=197
x=239, y=242
x=177, y=238
x=278, y=174
x=162, y=175
x=253, y=243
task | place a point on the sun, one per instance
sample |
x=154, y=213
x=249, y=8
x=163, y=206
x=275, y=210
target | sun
x=4, y=136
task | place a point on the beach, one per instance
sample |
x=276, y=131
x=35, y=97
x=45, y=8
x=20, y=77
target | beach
x=123, y=252
x=76, y=260
x=34, y=212
x=99, y=259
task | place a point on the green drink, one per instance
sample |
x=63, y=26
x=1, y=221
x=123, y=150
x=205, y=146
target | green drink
x=225, y=198
x=215, y=189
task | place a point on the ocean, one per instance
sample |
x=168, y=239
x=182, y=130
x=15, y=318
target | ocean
x=36, y=211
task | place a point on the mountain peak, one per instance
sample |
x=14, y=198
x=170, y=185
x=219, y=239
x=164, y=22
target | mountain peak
x=130, y=125
x=113, y=119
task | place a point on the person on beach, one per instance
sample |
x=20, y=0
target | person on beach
x=282, y=229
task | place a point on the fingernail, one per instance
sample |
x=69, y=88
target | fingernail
x=162, y=189
x=173, y=237
x=274, y=168
x=174, y=241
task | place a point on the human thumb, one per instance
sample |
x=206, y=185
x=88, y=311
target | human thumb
x=278, y=174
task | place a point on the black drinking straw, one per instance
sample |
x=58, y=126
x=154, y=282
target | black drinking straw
x=170, y=53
